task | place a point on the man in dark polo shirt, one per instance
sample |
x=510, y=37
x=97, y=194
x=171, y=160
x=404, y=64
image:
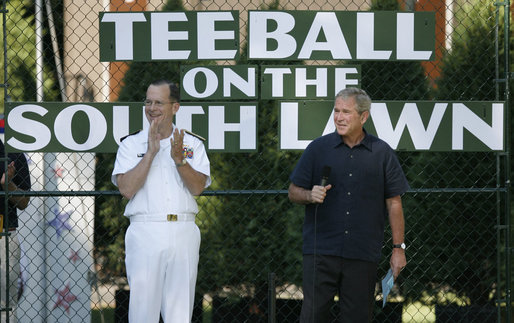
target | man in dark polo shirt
x=343, y=230
x=16, y=179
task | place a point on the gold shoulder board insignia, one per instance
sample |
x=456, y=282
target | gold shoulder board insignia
x=130, y=134
x=194, y=135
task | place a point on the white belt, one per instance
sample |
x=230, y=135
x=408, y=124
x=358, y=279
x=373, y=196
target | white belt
x=162, y=217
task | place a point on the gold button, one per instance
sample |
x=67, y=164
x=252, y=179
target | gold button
x=172, y=217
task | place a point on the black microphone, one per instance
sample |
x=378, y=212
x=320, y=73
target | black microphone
x=325, y=173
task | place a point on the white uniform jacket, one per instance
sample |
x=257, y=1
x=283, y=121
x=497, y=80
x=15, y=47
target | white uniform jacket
x=163, y=191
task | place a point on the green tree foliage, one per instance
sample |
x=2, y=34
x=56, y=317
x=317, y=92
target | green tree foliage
x=252, y=235
x=393, y=80
x=468, y=69
x=453, y=234
x=21, y=53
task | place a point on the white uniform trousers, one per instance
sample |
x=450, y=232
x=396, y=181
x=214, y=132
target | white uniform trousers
x=161, y=259
x=14, y=275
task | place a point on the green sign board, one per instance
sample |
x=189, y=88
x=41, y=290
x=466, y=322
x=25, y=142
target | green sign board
x=218, y=82
x=272, y=35
x=187, y=35
x=277, y=82
x=98, y=127
x=294, y=82
x=233, y=126
x=341, y=35
x=409, y=126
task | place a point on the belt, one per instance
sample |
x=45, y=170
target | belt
x=162, y=217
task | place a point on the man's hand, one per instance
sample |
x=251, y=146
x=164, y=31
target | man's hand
x=318, y=193
x=398, y=261
x=304, y=196
x=154, y=137
x=21, y=202
x=11, y=170
x=177, y=146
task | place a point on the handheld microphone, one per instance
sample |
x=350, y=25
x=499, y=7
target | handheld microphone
x=325, y=174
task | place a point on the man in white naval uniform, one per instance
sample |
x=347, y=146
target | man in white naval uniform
x=160, y=170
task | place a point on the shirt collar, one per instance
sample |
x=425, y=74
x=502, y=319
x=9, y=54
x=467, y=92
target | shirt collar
x=366, y=141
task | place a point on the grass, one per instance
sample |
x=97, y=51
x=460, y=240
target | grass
x=413, y=313
x=418, y=313
x=108, y=313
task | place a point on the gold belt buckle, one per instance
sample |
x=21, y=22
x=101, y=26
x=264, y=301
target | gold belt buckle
x=172, y=217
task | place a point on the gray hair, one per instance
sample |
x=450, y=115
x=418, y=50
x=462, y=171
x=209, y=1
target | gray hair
x=362, y=99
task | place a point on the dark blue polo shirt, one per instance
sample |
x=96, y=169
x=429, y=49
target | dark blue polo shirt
x=350, y=222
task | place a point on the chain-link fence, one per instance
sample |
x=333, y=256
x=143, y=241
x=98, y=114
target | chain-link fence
x=72, y=233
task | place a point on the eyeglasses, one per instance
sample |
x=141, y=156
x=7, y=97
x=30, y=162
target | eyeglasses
x=157, y=103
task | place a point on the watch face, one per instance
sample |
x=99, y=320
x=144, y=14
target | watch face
x=403, y=246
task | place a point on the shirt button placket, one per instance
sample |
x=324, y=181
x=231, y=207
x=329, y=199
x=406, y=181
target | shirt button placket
x=349, y=193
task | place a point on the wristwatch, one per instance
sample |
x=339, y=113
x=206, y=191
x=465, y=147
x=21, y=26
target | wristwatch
x=182, y=163
x=400, y=245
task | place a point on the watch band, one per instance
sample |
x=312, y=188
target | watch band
x=182, y=163
x=400, y=245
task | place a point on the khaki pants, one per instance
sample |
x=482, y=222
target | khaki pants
x=14, y=274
